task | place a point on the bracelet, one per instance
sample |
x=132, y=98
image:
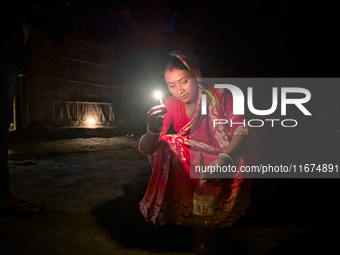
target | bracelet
x=228, y=157
x=152, y=133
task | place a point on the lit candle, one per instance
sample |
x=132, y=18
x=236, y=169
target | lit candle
x=158, y=95
x=91, y=121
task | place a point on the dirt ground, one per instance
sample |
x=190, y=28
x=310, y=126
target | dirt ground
x=90, y=188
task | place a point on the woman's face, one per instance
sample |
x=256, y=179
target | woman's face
x=179, y=85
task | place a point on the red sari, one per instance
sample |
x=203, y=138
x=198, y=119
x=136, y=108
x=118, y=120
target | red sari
x=168, y=198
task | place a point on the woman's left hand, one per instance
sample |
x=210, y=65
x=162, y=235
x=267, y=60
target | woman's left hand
x=220, y=161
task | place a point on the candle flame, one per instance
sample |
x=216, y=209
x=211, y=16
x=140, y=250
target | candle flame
x=158, y=95
x=91, y=121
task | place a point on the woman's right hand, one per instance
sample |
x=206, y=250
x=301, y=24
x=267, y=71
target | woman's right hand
x=155, y=118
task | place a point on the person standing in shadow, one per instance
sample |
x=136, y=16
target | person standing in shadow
x=12, y=63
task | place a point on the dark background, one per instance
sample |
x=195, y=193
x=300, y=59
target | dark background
x=231, y=39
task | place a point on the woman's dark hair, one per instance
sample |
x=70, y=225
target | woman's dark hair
x=173, y=62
